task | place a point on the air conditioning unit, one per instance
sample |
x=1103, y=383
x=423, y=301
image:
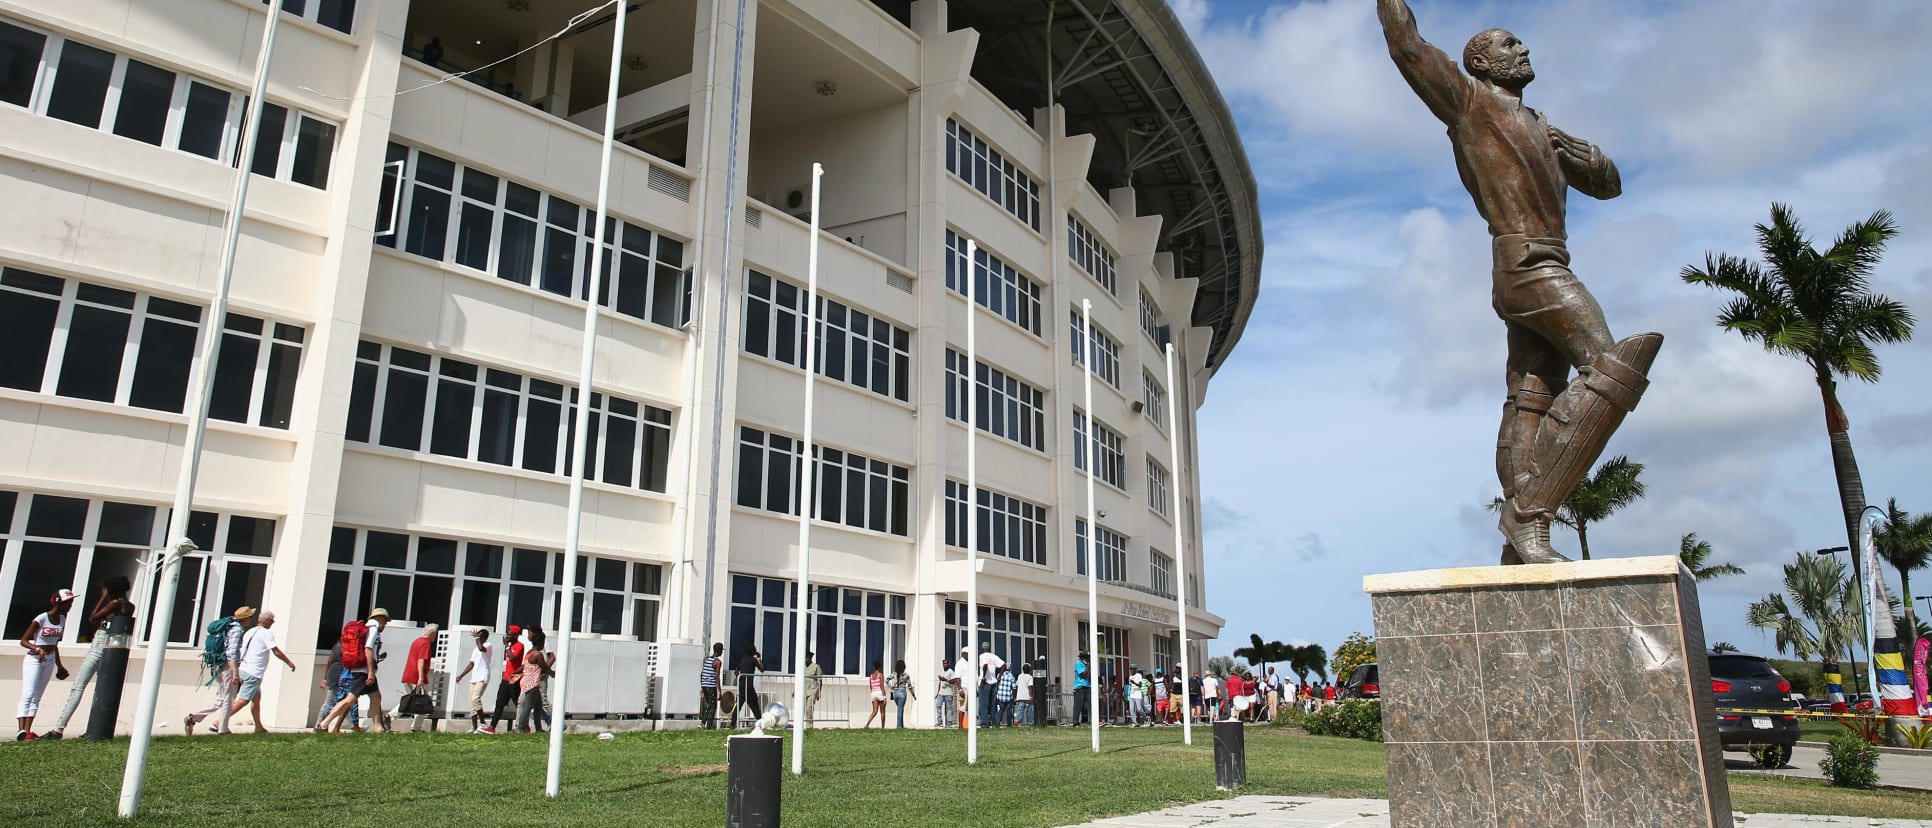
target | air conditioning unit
x=1137, y=406
x=798, y=202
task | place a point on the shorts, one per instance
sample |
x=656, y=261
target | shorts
x=251, y=688
x=365, y=684
x=878, y=695
x=476, y=696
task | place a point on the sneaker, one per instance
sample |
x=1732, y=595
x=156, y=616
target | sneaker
x=52, y=734
x=486, y=731
x=26, y=736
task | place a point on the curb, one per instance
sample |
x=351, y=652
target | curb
x=1881, y=749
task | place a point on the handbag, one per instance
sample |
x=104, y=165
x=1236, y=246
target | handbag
x=416, y=703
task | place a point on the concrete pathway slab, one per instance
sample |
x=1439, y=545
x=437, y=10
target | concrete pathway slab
x=1310, y=812
x=1894, y=769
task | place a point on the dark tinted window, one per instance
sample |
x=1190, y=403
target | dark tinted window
x=1742, y=667
x=80, y=84
x=204, y=119
x=19, y=63
x=146, y=93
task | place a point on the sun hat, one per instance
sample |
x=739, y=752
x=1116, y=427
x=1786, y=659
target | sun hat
x=244, y=613
x=379, y=612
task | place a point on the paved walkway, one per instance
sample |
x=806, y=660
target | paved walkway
x=1894, y=769
x=1303, y=812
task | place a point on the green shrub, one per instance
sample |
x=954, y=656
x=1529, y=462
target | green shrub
x=1850, y=762
x=1352, y=719
x=1290, y=716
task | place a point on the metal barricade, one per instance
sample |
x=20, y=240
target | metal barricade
x=835, y=699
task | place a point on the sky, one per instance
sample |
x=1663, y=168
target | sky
x=1352, y=431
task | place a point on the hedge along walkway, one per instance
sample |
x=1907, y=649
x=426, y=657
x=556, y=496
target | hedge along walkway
x=1039, y=777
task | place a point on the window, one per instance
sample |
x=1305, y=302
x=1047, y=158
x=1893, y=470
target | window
x=1157, y=494
x=992, y=174
x=457, y=214
x=851, y=628
x=1153, y=400
x=336, y=14
x=1111, y=661
x=1008, y=526
x=155, y=105
x=77, y=543
x=1113, y=456
x=851, y=489
x=421, y=402
x=1018, y=637
x=455, y=583
x=997, y=286
x=1092, y=255
x=1004, y=406
x=1105, y=348
x=854, y=347
x=1164, y=651
x=1113, y=552
x=1150, y=318
x=92, y=342
x=1160, y=573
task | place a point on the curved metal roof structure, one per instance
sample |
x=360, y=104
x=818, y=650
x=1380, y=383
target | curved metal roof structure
x=1127, y=74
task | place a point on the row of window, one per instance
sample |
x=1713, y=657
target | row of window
x=1112, y=468
x=339, y=15
x=853, y=346
x=992, y=174
x=852, y=629
x=453, y=583
x=997, y=286
x=850, y=488
x=421, y=402
x=462, y=215
x=1003, y=405
x=1105, y=349
x=1112, y=556
x=1018, y=637
x=91, y=342
x=62, y=78
x=1008, y=526
x=50, y=542
x=1092, y=255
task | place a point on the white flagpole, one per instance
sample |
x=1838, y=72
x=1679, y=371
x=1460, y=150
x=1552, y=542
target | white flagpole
x=579, y=444
x=970, y=399
x=1094, y=684
x=202, y=376
x=1180, y=541
x=807, y=471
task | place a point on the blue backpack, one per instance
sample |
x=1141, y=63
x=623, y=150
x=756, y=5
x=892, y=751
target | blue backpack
x=214, y=648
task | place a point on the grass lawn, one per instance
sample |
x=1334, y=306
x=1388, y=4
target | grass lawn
x=1024, y=778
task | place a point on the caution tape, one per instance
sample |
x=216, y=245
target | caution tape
x=1752, y=711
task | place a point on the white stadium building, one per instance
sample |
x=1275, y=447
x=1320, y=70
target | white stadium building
x=390, y=419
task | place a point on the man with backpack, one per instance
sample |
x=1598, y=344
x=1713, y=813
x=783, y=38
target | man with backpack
x=221, y=659
x=361, y=653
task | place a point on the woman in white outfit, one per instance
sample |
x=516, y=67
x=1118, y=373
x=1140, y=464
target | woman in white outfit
x=42, y=641
x=113, y=602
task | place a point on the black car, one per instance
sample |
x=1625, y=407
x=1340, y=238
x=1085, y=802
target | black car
x=1748, y=691
x=1365, y=682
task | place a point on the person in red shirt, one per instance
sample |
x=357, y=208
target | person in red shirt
x=508, y=691
x=417, y=674
x=1233, y=691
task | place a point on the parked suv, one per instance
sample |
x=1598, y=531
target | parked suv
x=1364, y=683
x=1747, y=687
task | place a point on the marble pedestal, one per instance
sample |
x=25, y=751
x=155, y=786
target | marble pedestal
x=1573, y=694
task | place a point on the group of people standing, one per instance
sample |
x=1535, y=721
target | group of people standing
x=43, y=663
x=1004, y=692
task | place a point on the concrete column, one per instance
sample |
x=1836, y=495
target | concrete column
x=322, y=396
x=543, y=76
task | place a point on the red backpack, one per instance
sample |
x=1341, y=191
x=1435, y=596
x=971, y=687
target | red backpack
x=354, y=657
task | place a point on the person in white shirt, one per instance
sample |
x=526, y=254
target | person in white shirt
x=1136, y=696
x=946, y=714
x=1211, y=696
x=963, y=673
x=258, y=643
x=478, y=671
x=1023, y=696
x=989, y=679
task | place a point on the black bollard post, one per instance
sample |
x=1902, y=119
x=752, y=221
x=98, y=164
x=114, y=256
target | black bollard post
x=1230, y=756
x=754, y=779
x=108, y=678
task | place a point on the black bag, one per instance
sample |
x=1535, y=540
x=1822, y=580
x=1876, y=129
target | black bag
x=417, y=703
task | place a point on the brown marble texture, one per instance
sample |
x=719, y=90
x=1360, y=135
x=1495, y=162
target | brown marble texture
x=1563, y=695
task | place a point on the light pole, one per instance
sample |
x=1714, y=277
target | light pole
x=1858, y=572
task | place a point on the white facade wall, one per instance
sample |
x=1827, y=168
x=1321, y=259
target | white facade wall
x=89, y=206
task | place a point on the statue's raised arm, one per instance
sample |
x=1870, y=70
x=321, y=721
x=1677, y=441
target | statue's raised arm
x=1428, y=70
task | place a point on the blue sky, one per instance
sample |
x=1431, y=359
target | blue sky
x=1353, y=429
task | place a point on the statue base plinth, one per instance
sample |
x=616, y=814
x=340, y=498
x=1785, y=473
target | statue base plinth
x=1550, y=694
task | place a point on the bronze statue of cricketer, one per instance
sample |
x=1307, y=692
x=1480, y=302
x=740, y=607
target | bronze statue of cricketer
x=1518, y=169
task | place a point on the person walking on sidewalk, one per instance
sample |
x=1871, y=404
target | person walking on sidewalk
x=748, y=667
x=257, y=644
x=509, y=690
x=41, y=639
x=417, y=674
x=900, y=686
x=112, y=602
x=1023, y=697
x=945, y=714
x=227, y=673
x=478, y=672
x=1082, y=690
x=814, y=686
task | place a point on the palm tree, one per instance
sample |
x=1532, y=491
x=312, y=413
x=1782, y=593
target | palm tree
x=1611, y=487
x=1905, y=542
x=1261, y=654
x=1694, y=553
x=1826, y=621
x=1815, y=306
x=1724, y=647
x=1308, y=658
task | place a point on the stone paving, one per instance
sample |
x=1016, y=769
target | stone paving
x=1305, y=812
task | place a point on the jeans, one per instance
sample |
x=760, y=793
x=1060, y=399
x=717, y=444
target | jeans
x=1133, y=712
x=1003, y=714
x=89, y=665
x=528, y=706
x=344, y=684
x=899, y=699
x=1081, y=700
x=708, y=707
x=948, y=711
x=1023, y=713
x=987, y=705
